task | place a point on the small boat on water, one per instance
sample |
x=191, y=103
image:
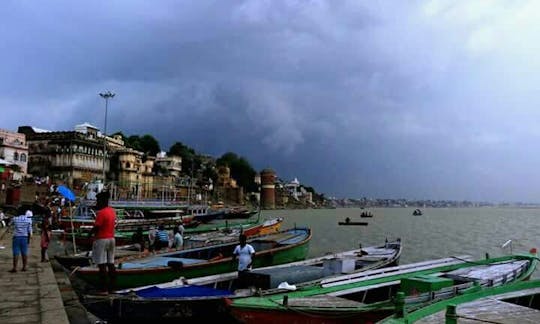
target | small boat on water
x=377, y=294
x=281, y=247
x=417, y=212
x=517, y=302
x=366, y=214
x=349, y=222
x=203, y=298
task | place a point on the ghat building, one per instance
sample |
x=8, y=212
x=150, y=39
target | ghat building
x=80, y=156
x=14, y=151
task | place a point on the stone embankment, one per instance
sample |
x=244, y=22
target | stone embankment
x=32, y=296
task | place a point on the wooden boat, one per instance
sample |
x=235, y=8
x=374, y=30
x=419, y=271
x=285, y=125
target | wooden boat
x=375, y=295
x=84, y=259
x=202, y=298
x=231, y=234
x=349, y=222
x=282, y=247
x=83, y=237
x=517, y=302
x=366, y=214
x=239, y=212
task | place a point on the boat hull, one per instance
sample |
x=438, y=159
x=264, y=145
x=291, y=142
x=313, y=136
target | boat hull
x=134, y=277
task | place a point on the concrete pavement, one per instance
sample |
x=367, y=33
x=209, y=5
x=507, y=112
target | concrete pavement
x=29, y=297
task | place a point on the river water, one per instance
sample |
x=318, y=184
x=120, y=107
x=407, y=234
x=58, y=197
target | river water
x=439, y=232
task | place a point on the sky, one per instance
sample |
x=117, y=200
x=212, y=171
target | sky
x=388, y=99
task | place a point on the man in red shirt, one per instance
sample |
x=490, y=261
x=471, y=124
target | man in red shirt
x=104, y=243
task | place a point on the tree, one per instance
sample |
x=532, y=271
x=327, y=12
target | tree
x=190, y=159
x=241, y=170
x=146, y=144
x=149, y=145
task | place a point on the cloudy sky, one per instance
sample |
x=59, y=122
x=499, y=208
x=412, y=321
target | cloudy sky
x=427, y=99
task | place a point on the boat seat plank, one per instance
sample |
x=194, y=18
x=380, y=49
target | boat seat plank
x=158, y=262
x=489, y=310
x=322, y=302
x=488, y=272
x=378, y=251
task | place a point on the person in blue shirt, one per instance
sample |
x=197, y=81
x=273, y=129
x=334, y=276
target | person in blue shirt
x=22, y=232
x=162, y=239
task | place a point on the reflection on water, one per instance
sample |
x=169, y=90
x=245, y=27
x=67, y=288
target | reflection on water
x=439, y=232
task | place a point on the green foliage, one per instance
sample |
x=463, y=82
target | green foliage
x=241, y=170
x=150, y=146
x=191, y=161
x=146, y=143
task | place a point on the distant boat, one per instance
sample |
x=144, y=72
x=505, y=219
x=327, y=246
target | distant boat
x=349, y=222
x=365, y=214
x=417, y=212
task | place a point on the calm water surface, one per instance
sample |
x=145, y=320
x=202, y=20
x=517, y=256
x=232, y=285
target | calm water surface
x=439, y=232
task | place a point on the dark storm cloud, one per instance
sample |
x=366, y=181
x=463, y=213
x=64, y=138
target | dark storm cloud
x=417, y=100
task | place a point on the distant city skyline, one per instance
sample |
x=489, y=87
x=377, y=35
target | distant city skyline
x=420, y=100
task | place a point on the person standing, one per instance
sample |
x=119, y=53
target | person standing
x=104, y=243
x=45, y=239
x=22, y=233
x=178, y=240
x=2, y=219
x=244, y=253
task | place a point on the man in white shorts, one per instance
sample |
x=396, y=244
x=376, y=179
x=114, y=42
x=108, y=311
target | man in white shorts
x=104, y=243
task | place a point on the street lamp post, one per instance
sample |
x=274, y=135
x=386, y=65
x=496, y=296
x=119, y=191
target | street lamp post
x=106, y=95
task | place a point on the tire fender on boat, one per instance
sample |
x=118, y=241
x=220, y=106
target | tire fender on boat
x=175, y=264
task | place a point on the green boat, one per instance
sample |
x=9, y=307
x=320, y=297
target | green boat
x=84, y=238
x=278, y=248
x=517, y=302
x=374, y=295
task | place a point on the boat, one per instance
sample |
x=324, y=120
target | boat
x=517, y=302
x=349, y=222
x=84, y=259
x=231, y=234
x=417, y=212
x=84, y=239
x=281, y=247
x=203, y=297
x=239, y=212
x=374, y=295
x=365, y=214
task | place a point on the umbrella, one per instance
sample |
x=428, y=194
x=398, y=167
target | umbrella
x=66, y=192
x=69, y=195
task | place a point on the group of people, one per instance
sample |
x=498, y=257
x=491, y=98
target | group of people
x=103, y=249
x=159, y=238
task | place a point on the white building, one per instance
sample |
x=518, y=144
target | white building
x=14, y=149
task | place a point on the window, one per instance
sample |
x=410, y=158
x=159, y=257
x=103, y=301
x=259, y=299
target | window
x=23, y=157
x=16, y=156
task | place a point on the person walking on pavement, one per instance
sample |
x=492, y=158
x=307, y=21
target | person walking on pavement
x=22, y=233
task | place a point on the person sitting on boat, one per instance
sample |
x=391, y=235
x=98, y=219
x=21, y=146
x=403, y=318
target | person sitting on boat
x=152, y=234
x=178, y=239
x=244, y=253
x=162, y=239
x=138, y=239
